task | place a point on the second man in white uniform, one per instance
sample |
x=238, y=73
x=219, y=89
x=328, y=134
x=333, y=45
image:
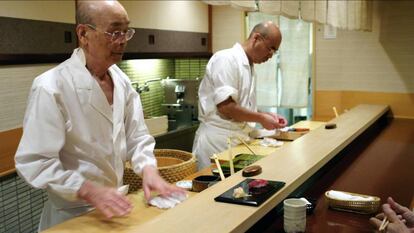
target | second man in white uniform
x=227, y=95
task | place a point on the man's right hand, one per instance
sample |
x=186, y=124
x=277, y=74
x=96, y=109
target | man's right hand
x=269, y=121
x=107, y=200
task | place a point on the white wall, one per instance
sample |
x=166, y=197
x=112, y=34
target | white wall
x=168, y=15
x=56, y=11
x=227, y=27
x=15, y=81
x=380, y=61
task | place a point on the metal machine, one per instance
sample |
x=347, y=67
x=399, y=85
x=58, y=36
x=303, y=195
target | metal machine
x=181, y=101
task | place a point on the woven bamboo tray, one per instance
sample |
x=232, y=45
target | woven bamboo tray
x=173, y=165
x=362, y=207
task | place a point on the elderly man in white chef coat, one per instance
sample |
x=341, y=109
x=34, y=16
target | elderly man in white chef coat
x=84, y=120
x=227, y=99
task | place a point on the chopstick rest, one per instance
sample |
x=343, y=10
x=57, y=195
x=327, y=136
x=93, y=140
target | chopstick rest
x=252, y=170
x=330, y=126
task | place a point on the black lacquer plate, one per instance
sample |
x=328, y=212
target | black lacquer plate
x=255, y=198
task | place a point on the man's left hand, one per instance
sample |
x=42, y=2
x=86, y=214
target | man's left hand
x=152, y=181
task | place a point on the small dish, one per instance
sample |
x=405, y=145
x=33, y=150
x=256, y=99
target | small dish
x=185, y=184
x=202, y=182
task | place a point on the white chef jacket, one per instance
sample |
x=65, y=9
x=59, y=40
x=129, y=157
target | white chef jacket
x=228, y=74
x=71, y=134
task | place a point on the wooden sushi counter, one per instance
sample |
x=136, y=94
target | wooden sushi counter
x=295, y=163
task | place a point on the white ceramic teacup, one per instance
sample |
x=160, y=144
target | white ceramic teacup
x=294, y=217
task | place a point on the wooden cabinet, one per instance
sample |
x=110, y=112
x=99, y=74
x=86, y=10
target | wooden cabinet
x=153, y=43
x=35, y=41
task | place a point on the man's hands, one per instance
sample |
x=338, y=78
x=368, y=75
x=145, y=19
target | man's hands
x=272, y=120
x=229, y=109
x=107, y=200
x=401, y=219
x=152, y=181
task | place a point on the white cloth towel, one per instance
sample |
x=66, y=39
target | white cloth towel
x=347, y=197
x=124, y=189
x=261, y=133
x=270, y=142
x=167, y=202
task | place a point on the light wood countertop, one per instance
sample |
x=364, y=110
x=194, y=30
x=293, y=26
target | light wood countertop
x=293, y=163
x=261, y=150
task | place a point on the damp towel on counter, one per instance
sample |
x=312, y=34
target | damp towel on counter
x=347, y=197
x=270, y=142
x=261, y=133
x=167, y=202
x=123, y=189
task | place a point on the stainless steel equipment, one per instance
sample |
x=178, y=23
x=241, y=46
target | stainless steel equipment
x=181, y=101
x=145, y=87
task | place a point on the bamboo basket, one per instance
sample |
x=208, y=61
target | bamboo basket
x=173, y=165
x=362, y=207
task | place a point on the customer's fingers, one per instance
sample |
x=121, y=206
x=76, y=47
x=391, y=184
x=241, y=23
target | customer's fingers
x=396, y=206
x=380, y=216
x=375, y=222
x=391, y=215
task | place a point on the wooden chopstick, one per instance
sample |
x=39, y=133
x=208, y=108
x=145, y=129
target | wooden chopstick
x=335, y=112
x=230, y=156
x=218, y=166
x=244, y=143
x=384, y=224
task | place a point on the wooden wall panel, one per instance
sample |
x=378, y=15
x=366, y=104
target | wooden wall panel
x=227, y=27
x=401, y=104
x=9, y=141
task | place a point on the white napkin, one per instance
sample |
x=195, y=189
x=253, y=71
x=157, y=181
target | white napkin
x=123, y=189
x=167, y=202
x=270, y=142
x=261, y=133
x=347, y=197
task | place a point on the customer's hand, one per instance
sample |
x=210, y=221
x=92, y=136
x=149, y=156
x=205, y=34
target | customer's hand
x=401, y=219
x=406, y=213
x=107, y=200
x=152, y=181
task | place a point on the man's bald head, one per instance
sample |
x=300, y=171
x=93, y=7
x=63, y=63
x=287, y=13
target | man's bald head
x=98, y=23
x=266, y=29
x=263, y=42
x=87, y=12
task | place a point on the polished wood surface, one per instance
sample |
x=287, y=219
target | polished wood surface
x=401, y=104
x=293, y=163
x=142, y=212
x=261, y=150
x=380, y=163
x=9, y=141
